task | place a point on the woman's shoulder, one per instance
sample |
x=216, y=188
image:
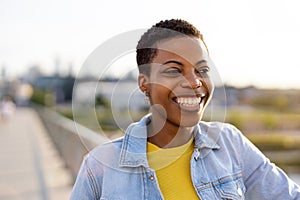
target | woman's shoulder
x=220, y=127
x=107, y=153
x=222, y=132
x=108, y=146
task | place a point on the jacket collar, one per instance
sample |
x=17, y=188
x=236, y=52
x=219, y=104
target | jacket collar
x=207, y=135
x=134, y=146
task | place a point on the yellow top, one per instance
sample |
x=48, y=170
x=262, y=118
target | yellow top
x=172, y=167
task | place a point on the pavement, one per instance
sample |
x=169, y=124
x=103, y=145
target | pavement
x=30, y=166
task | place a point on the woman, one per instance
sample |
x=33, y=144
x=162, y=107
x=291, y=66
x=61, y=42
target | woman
x=171, y=153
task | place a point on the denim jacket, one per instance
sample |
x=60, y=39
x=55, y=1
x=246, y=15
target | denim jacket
x=224, y=165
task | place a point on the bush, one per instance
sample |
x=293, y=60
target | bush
x=41, y=97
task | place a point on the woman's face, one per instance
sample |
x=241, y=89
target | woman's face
x=179, y=85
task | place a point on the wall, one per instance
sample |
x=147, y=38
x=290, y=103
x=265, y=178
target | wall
x=72, y=140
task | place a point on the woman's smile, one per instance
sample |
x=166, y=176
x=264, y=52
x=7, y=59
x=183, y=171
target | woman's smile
x=189, y=103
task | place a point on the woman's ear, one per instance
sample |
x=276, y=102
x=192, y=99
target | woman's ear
x=143, y=82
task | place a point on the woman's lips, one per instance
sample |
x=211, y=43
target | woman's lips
x=189, y=103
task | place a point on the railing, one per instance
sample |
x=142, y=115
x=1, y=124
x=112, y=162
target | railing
x=72, y=140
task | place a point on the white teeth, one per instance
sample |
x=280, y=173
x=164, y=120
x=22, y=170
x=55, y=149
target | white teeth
x=189, y=101
x=195, y=101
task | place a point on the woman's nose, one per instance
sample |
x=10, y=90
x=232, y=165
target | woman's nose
x=192, y=81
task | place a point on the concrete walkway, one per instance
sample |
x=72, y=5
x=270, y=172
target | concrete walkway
x=30, y=166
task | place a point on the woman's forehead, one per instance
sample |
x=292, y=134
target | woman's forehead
x=186, y=47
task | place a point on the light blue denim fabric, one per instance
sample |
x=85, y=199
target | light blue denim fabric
x=224, y=165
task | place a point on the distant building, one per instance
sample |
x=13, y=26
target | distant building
x=121, y=95
x=61, y=87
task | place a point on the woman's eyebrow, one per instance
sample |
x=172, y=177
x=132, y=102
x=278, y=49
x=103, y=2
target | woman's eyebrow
x=173, y=61
x=179, y=63
x=200, y=62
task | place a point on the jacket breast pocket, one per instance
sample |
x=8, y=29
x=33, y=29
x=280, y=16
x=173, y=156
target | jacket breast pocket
x=231, y=189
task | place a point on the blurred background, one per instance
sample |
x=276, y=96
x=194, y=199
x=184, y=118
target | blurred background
x=52, y=113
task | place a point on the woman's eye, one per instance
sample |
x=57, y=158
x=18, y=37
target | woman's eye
x=172, y=71
x=203, y=70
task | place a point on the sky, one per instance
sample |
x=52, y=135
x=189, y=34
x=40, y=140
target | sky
x=251, y=42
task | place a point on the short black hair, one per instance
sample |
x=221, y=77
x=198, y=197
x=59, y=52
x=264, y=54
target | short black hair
x=146, y=50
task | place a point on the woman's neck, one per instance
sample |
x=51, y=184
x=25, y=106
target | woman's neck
x=164, y=134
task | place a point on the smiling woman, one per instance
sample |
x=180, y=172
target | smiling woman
x=171, y=153
x=179, y=84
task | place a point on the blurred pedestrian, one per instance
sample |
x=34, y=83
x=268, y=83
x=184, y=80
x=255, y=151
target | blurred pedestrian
x=7, y=108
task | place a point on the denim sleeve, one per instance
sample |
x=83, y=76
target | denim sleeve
x=85, y=186
x=263, y=179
